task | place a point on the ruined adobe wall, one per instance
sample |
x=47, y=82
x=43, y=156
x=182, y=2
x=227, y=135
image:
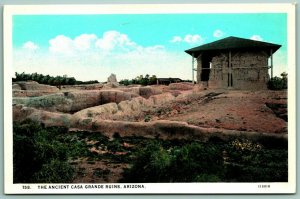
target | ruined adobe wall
x=218, y=77
x=250, y=77
x=246, y=73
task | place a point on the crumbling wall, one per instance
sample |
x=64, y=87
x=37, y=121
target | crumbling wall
x=249, y=70
x=218, y=77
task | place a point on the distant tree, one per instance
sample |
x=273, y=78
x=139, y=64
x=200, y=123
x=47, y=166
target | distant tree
x=278, y=83
x=139, y=78
x=58, y=81
x=47, y=79
x=144, y=81
x=51, y=81
x=34, y=76
x=125, y=82
x=147, y=80
x=39, y=78
x=71, y=81
x=284, y=77
x=152, y=80
x=134, y=81
x=17, y=76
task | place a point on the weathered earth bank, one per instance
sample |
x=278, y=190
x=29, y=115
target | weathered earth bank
x=178, y=111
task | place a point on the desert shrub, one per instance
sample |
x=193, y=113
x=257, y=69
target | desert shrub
x=194, y=160
x=38, y=156
x=56, y=171
x=114, y=145
x=235, y=161
x=190, y=163
x=252, y=162
x=147, y=118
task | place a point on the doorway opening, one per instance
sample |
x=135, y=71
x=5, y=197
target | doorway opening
x=206, y=67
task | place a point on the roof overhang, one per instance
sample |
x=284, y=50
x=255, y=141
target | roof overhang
x=233, y=44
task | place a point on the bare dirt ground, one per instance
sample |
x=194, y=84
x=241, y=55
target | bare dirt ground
x=236, y=110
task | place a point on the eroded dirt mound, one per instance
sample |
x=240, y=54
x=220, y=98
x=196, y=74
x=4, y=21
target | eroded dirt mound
x=128, y=110
x=97, y=86
x=73, y=101
x=242, y=111
x=32, y=89
x=21, y=113
x=168, y=130
x=32, y=85
x=181, y=86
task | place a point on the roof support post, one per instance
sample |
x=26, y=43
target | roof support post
x=229, y=71
x=271, y=63
x=199, y=68
x=193, y=69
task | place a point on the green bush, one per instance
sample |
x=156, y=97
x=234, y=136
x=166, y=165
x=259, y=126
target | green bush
x=190, y=163
x=56, y=171
x=278, y=83
x=38, y=156
x=235, y=161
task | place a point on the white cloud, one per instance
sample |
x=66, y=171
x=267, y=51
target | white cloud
x=64, y=45
x=111, y=41
x=190, y=39
x=84, y=41
x=218, y=33
x=256, y=37
x=114, y=39
x=176, y=39
x=29, y=45
x=61, y=45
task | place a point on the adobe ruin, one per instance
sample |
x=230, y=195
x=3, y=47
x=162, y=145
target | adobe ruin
x=234, y=62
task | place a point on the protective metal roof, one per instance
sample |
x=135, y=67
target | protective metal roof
x=232, y=43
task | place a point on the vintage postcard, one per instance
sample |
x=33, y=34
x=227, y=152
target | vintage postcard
x=153, y=98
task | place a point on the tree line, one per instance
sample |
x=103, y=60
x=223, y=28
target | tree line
x=147, y=80
x=50, y=80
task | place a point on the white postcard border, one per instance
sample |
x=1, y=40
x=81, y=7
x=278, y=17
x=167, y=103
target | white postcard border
x=189, y=188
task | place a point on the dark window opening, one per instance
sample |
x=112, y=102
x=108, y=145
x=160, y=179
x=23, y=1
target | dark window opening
x=206, y=66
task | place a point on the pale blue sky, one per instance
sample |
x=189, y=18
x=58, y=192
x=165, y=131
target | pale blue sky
x=93, y=46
